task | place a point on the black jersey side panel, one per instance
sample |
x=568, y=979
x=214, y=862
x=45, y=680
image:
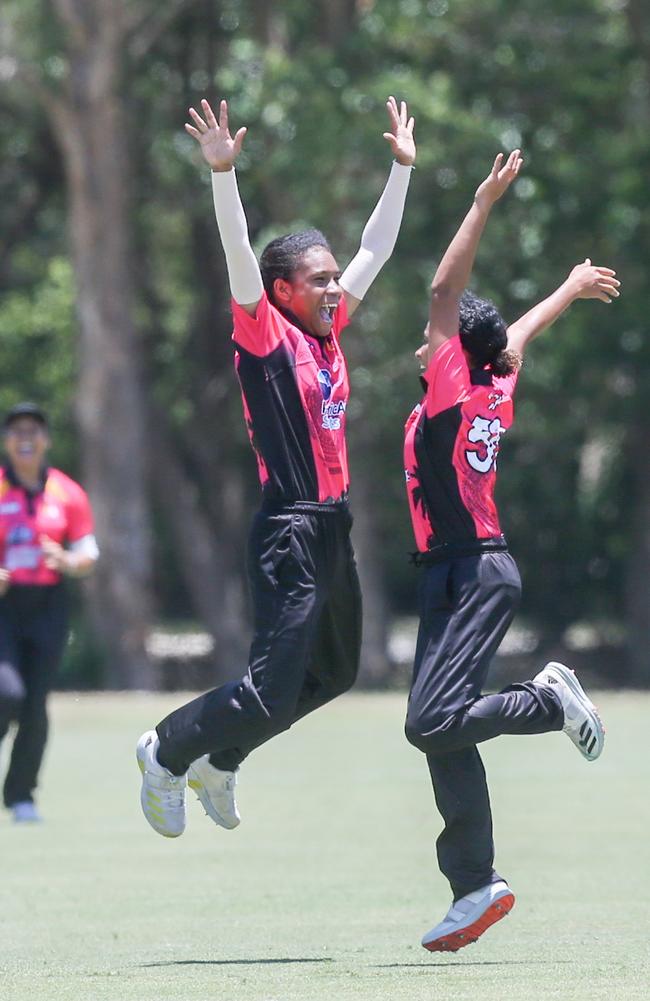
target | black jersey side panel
x=435, y=440
x=280, y=430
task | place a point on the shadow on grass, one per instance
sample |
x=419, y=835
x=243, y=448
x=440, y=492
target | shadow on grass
x=238, y=962
x=485, y=962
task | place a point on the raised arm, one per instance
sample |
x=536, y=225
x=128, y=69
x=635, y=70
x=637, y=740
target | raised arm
x=220, y=150
x=586, y=281
x=453, y=272
x=379, y=236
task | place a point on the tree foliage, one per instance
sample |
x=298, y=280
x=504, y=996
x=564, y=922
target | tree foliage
x=570, y=84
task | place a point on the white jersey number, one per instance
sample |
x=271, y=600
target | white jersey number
x=487, y=433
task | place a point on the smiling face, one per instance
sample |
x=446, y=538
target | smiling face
x=26, y=441
x=313, y=293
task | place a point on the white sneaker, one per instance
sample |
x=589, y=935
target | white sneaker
x=581, y=720
x=25, y=812
x=469, y=917
x=163, y=794
x=216, y=791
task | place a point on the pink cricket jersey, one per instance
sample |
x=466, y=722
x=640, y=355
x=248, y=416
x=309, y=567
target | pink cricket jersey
x=295, y=393
x=60, y=510
x=451, y=446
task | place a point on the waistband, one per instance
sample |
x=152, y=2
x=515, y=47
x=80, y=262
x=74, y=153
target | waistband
x=453, y=550
x=305, y=507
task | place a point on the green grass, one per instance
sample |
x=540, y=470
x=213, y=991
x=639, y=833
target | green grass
x=325, y=889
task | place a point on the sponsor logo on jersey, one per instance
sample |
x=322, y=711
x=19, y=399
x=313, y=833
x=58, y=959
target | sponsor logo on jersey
x=10, y=507
x=331, y=413
x=331, y=410
x=496, y=399
x=325, y=383
x=18, y=535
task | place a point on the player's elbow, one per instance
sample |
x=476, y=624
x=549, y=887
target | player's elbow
x=444, y=292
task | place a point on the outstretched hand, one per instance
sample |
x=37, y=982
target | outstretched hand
x=400, y=137
x=591, y=282
x=499, y=179
x=219, y=148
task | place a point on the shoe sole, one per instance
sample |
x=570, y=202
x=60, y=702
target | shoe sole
x=569, y=678
x=204, y=798
x=456, y=940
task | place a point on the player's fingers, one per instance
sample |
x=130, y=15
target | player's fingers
x=411, y=125
x=391, y=108
x=497, y=163
x=403, y=114
x=605, y=271
x=192, y=131
x=209, y=114
x=223, y=115
x=239, y=139
x=198, y=121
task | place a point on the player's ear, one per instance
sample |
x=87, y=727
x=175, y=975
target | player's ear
x=282, y=291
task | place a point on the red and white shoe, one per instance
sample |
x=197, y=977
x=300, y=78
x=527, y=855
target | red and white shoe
x=469, y=917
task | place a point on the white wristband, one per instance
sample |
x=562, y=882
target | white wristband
x=85, y=546
x=380, y=234
x=243, y=270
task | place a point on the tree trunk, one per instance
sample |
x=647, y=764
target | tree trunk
x=376, y=667
x=89, y=126
x=214, y=591
x=637, y=615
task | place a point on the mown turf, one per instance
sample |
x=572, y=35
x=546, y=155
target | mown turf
x=325, y=889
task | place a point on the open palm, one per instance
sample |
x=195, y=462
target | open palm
x=500, y=178
x=219, y=148
x=401, y=135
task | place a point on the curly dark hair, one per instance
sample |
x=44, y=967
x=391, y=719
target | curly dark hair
x=483, y=334
x=281, y=257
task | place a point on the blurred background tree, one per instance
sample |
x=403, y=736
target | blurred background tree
x=114, y=303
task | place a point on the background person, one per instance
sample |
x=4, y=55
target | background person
x=46, y=534
x=288, y=314
x=470, y=586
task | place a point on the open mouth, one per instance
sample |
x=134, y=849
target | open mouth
x=327, y=311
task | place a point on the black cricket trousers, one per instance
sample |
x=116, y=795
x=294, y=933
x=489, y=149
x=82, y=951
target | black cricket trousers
x=33, y=632
x=306, y=643
x=466, y=606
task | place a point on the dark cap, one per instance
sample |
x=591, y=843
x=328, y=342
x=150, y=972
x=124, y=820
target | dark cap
x=25, y=409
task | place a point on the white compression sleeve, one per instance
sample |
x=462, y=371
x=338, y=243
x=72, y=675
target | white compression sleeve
x=243, y=270
x=380, y=234
x=86, y=546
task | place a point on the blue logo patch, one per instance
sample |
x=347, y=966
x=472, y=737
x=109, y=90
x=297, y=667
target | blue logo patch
x=19, y=535
x=325, y=383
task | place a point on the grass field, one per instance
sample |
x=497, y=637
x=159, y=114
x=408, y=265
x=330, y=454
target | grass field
x=325, y=889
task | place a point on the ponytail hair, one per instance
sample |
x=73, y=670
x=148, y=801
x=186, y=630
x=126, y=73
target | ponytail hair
x=483, y=334
x=506, y=362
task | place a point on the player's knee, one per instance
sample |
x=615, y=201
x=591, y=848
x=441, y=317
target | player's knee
x=280, y=717
x=345, y=681
x=422, y=731
x=12, y=692
x=414, y=729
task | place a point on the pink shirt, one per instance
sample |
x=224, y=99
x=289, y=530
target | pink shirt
x=452, y=440
x=61, y=511
x=295, y=393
